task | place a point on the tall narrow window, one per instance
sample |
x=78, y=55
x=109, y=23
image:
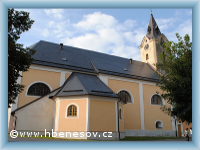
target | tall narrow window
x=147, y=56
x=72, y=110
x=38, y=89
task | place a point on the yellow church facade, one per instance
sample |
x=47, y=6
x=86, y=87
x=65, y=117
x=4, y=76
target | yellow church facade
x=79, y=91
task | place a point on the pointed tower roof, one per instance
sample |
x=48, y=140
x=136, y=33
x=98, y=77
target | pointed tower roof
x=153, y=31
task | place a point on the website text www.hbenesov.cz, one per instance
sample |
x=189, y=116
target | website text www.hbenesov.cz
x=15, y=134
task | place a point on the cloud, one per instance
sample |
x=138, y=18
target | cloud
x=96, y=21
x=165, y=24
x=51, y=23
x=55, y=13
x=183, y=29
x=189, y=12
x=45, y=33
x=104, y=33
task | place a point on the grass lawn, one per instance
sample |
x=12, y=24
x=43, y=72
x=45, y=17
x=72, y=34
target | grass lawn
x=147, y=138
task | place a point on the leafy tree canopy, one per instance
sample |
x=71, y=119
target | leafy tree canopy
x=19, y=58
x=176, y=82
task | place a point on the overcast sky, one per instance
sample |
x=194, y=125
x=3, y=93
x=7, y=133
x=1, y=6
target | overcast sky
x=112, y=31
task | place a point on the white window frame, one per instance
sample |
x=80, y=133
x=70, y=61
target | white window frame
x=161, y=123
x=163, y=101
x=132, y=99
x=34, y=83
x=77, y=116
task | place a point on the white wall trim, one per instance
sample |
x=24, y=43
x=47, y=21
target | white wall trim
x=163, y=101
x=132, y=99
x=62, y=78
x=123, y=117
x=141, y=106
x=88, y=115
x=47, y=68
x=103, y=78
x=89, y=96
x=54, y=112
x=14, y=106
x=173, y=124
x=34, y=83
x=72, y=98
x=57, y=117
x=72, y=117
x=116, y=116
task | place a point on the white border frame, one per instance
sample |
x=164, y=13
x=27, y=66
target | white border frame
x=34, y=83
x=163, y=101
x=132, y=99
x=77, y=116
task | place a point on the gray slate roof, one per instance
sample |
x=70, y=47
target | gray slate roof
x=50, y=54
x=85, y=84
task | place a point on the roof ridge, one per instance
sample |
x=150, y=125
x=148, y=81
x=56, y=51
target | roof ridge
x=81, y=82
x=34, y=100
x=64, y=84
x=83, y=49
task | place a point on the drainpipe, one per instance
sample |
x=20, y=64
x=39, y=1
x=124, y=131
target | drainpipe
x=175, y=126
x=15, y=122
x=12, y=121
x=118, y=116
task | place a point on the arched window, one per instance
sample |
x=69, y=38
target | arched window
x=120, y=113
x=156, y=100
x=159, y=125
x=72, y=110
x=125, y=96
x=38, y=89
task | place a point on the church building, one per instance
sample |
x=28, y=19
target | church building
x=70, y=89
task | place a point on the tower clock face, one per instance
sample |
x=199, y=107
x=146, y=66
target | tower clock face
x=146, y=46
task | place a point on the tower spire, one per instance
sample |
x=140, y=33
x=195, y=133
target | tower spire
x=153, y=31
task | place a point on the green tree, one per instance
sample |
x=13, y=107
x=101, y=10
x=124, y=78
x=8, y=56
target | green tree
x=176, y=82
x=19, y=58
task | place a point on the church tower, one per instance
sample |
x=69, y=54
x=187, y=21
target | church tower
x=151, y=46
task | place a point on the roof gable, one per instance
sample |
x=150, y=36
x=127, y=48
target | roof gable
x=85, y=84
